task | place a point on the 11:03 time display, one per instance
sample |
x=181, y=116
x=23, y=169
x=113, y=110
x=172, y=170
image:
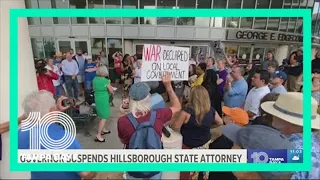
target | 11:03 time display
x=296, y=151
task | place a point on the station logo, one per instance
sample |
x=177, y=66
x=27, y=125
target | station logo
x=267, y=156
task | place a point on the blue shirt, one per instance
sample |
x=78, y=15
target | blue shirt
x=70, y=67
x=81, y=60
x=157, y=101
x=279, y=90
x=56, y=62
x=55, y=132
x=236, y=95
x=297, y=141
x=89, y=76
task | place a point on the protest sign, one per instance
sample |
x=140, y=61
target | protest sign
x=158, y=59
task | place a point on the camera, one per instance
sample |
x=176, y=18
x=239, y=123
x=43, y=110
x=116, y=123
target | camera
x=40, y=66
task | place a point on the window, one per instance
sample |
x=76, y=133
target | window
x=310, y=3
x=246, y=22
x=276, y=4
x=49, y=47
x=32, y=4
x=60, y=4
x=263, y=4
x=292, y=24
x=285, y=20
x=244, y=55
x=257, y=56
x=148, y=4
x=202, y=21
x=113, y=45
x=234, y=21
x=218, y=21
x=78, y=4
x=165, y=4
x=37, y=48
x=287, y=4
x=186, y=21
x=316, y=18
x=97, y=45
x=95, y=4
x=298, y=28
x=260, y=23
x=199, y=52
x=273, y=24
x=284, y=24
x=130, y=4
x=45, y=4
x=231, y=50
x=113, y=4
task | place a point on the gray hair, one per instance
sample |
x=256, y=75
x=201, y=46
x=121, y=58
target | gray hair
x=142, y=106
x=39, y=101
x=102, y=71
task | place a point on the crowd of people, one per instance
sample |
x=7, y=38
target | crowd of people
x=223, y=105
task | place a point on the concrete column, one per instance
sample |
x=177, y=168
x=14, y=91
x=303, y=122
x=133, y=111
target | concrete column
x=128, y=47
x=26, y=77
x=282, y=53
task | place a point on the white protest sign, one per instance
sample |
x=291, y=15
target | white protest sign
x=158, y=59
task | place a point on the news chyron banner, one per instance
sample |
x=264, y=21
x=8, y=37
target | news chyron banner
x=133, y=156
x=275, y=156
x=161, y=156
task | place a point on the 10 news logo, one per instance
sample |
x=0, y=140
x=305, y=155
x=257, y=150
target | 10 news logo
x=275, y=156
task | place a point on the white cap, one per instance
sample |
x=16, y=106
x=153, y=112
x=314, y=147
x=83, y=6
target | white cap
x=88, y=57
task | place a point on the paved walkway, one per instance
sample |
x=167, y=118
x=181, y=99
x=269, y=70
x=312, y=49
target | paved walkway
x=112, y=140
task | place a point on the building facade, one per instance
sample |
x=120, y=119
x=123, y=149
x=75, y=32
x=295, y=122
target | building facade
x=250, y=38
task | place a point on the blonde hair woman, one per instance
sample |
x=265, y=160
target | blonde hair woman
x=102, y=91
x=195, y=122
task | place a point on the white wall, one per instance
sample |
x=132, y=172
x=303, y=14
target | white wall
x=282, y=53
x=128, y=47
x=26, y=77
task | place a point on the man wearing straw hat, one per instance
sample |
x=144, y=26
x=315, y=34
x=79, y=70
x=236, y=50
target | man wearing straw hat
x=287, y=116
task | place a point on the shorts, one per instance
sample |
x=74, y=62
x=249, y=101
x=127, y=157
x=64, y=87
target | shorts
x=80, y=78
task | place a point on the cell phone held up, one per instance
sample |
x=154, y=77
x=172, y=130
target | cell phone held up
x=166, y=132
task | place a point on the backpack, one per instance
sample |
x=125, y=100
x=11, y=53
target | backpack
x=144, y=137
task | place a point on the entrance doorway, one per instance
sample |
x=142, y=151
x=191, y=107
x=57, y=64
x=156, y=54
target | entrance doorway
x=247, y=53
x=64, y=45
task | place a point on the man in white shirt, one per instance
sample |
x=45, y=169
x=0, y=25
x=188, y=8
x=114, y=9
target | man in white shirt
x=260, y=88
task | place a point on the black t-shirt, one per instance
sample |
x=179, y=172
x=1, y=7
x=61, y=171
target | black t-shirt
x=195, y=135
x=295, y=71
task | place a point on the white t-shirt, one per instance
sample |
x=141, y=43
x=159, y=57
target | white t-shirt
x=138, y=75
x=253, y=99
x=57, y=71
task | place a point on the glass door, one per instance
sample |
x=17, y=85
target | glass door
x=244, y=55
x=64, y=45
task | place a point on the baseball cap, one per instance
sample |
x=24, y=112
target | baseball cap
x=279, y=74
x=258, y=137
x=88, y=57
x=139, y=91
x=238, y=115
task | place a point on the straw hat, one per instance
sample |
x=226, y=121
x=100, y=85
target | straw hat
x=58, y=54
x=289, y=107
